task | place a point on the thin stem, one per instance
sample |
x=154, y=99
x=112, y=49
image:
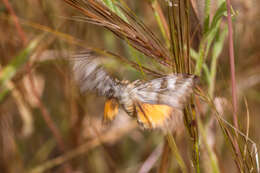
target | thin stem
x=176, y=152
x=187, y=16
x=232, y=69
x=232, y=64
x=212, y=155
x=162, y=23
x=172, y=38
x=16, y=22
x=195, y=137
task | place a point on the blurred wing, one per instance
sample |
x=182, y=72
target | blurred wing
x=153, y=115
x=171, y=90
x=111, y=110
x=90, y=75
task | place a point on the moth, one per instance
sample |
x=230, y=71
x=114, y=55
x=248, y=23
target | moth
x=155, y=104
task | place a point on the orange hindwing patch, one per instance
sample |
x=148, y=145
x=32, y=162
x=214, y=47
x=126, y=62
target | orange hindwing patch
x=111, y=110
x=153, y=115
x=157, y=103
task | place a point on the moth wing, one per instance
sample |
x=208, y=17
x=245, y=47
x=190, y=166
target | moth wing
x=172, y=90
x=156, y=116
x=110, y=110
x=152, y=115
x=90, y=74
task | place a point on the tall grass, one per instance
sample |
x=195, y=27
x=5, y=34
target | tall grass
x=68, y=135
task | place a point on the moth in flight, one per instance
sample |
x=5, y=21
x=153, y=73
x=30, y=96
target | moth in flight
x=154, y=104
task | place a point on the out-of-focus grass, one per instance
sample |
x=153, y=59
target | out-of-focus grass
x=78, y=117
x=17, y=62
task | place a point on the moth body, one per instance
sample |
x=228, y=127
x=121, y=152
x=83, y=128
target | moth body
x=157, y=103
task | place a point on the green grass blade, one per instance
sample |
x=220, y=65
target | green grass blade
x=207, y=14
x=17, y=62
x=218, y=15
x=216, y=50
x=176, y=152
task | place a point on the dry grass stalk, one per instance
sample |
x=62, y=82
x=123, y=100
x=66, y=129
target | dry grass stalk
x=133, y=31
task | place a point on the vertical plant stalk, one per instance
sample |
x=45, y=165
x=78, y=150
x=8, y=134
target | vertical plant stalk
x=47, y=118
x=194, y=133
x=164, y=163
x=173, y=37
x=217, y=49
x=181, y=32
x=232, y=64
x=207, y=15
x=24, y=40
x=212, y=155
x=178, y=29
x=232, y=71
x=176, y=153
x=16, y=21
x=187, y=69
x=187, y=16
x=25, y=111
x=160, y=18
x=45, y=114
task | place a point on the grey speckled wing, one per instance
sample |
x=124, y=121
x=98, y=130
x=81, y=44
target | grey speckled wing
x=157, y=103
x=172, y=90
x=91, y=76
